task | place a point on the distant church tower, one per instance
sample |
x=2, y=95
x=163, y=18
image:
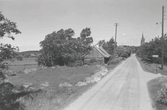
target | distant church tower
x=142, y=40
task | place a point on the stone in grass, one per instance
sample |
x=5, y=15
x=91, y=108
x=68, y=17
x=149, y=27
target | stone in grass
x=164, y=85
x=34, y=69
x=81, y=84
x=106, y=70
x=162, y=79
x=27, y=85
x=159, y=74
x=65, y=84
x=103, y=73
x=89, y=80
x=98, y=74
x=53, y=67
x=6, y=80
x=97, y=79
x=27, y=71
x=43, y=67
x=43, y=85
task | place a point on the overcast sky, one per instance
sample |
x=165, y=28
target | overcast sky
x=37, y=18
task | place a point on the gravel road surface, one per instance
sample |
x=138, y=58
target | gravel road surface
x=124, y=88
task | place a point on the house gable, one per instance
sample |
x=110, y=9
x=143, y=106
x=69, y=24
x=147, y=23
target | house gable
x=97, y=52
x=94, y=53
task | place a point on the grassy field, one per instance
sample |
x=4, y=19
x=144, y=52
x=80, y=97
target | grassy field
x=156, y=84
x=54, y=76
x=19, y=66
x=53, y=96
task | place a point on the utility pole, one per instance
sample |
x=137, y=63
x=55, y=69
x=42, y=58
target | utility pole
x=116, y=24
x=162, y=39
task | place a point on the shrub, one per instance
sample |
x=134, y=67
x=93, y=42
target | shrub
x=87, y=61
x=91, y=61
x=7, y=97
x=19, y=57
x=76, y=63
x=114, y=61
x=162, y=95
x=3, y=67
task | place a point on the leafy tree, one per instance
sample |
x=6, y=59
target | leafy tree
x=7, y=28
x=153, y=47
x=84, y=42
x=108, y=46
x=101, y=42
x=60, y=48
x=123, y=51
x=53, y=47
x=7, y=51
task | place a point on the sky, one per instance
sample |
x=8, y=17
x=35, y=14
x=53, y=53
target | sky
x=37, y=18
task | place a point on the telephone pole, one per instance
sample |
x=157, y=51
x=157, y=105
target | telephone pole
x=116, y=24
x=162, y=38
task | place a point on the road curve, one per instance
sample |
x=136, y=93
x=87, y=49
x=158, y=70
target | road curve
x=124, y=88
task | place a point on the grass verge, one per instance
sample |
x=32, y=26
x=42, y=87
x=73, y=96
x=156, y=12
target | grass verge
x=155, y=85
x=152, y=67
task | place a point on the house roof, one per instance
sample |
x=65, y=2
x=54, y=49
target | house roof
x=97, y=51
x=107, y=54
x=102, y=51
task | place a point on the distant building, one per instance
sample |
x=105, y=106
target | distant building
x=99, y=54
x=142, y=40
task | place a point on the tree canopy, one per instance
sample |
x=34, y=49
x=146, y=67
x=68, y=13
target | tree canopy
x=7, y=27
x=124, y=51
x=7, y=51
x=154, y=47
x=108, y=46
x=61, y=48
x=121, y=51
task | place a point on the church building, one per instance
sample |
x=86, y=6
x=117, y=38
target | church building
x=142, y=40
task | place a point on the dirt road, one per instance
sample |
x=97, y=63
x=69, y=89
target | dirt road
x=122, y=89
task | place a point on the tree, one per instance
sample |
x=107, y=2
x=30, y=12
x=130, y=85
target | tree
x=108, y=46
x=7, y=29
x=152, y=48
x=60, y=48
x=123, y=51
x=54, y=47
x=101, y=42
x=84, y=42
x=7, y=51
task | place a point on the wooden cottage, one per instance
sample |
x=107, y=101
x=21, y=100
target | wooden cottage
x=99, y=54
